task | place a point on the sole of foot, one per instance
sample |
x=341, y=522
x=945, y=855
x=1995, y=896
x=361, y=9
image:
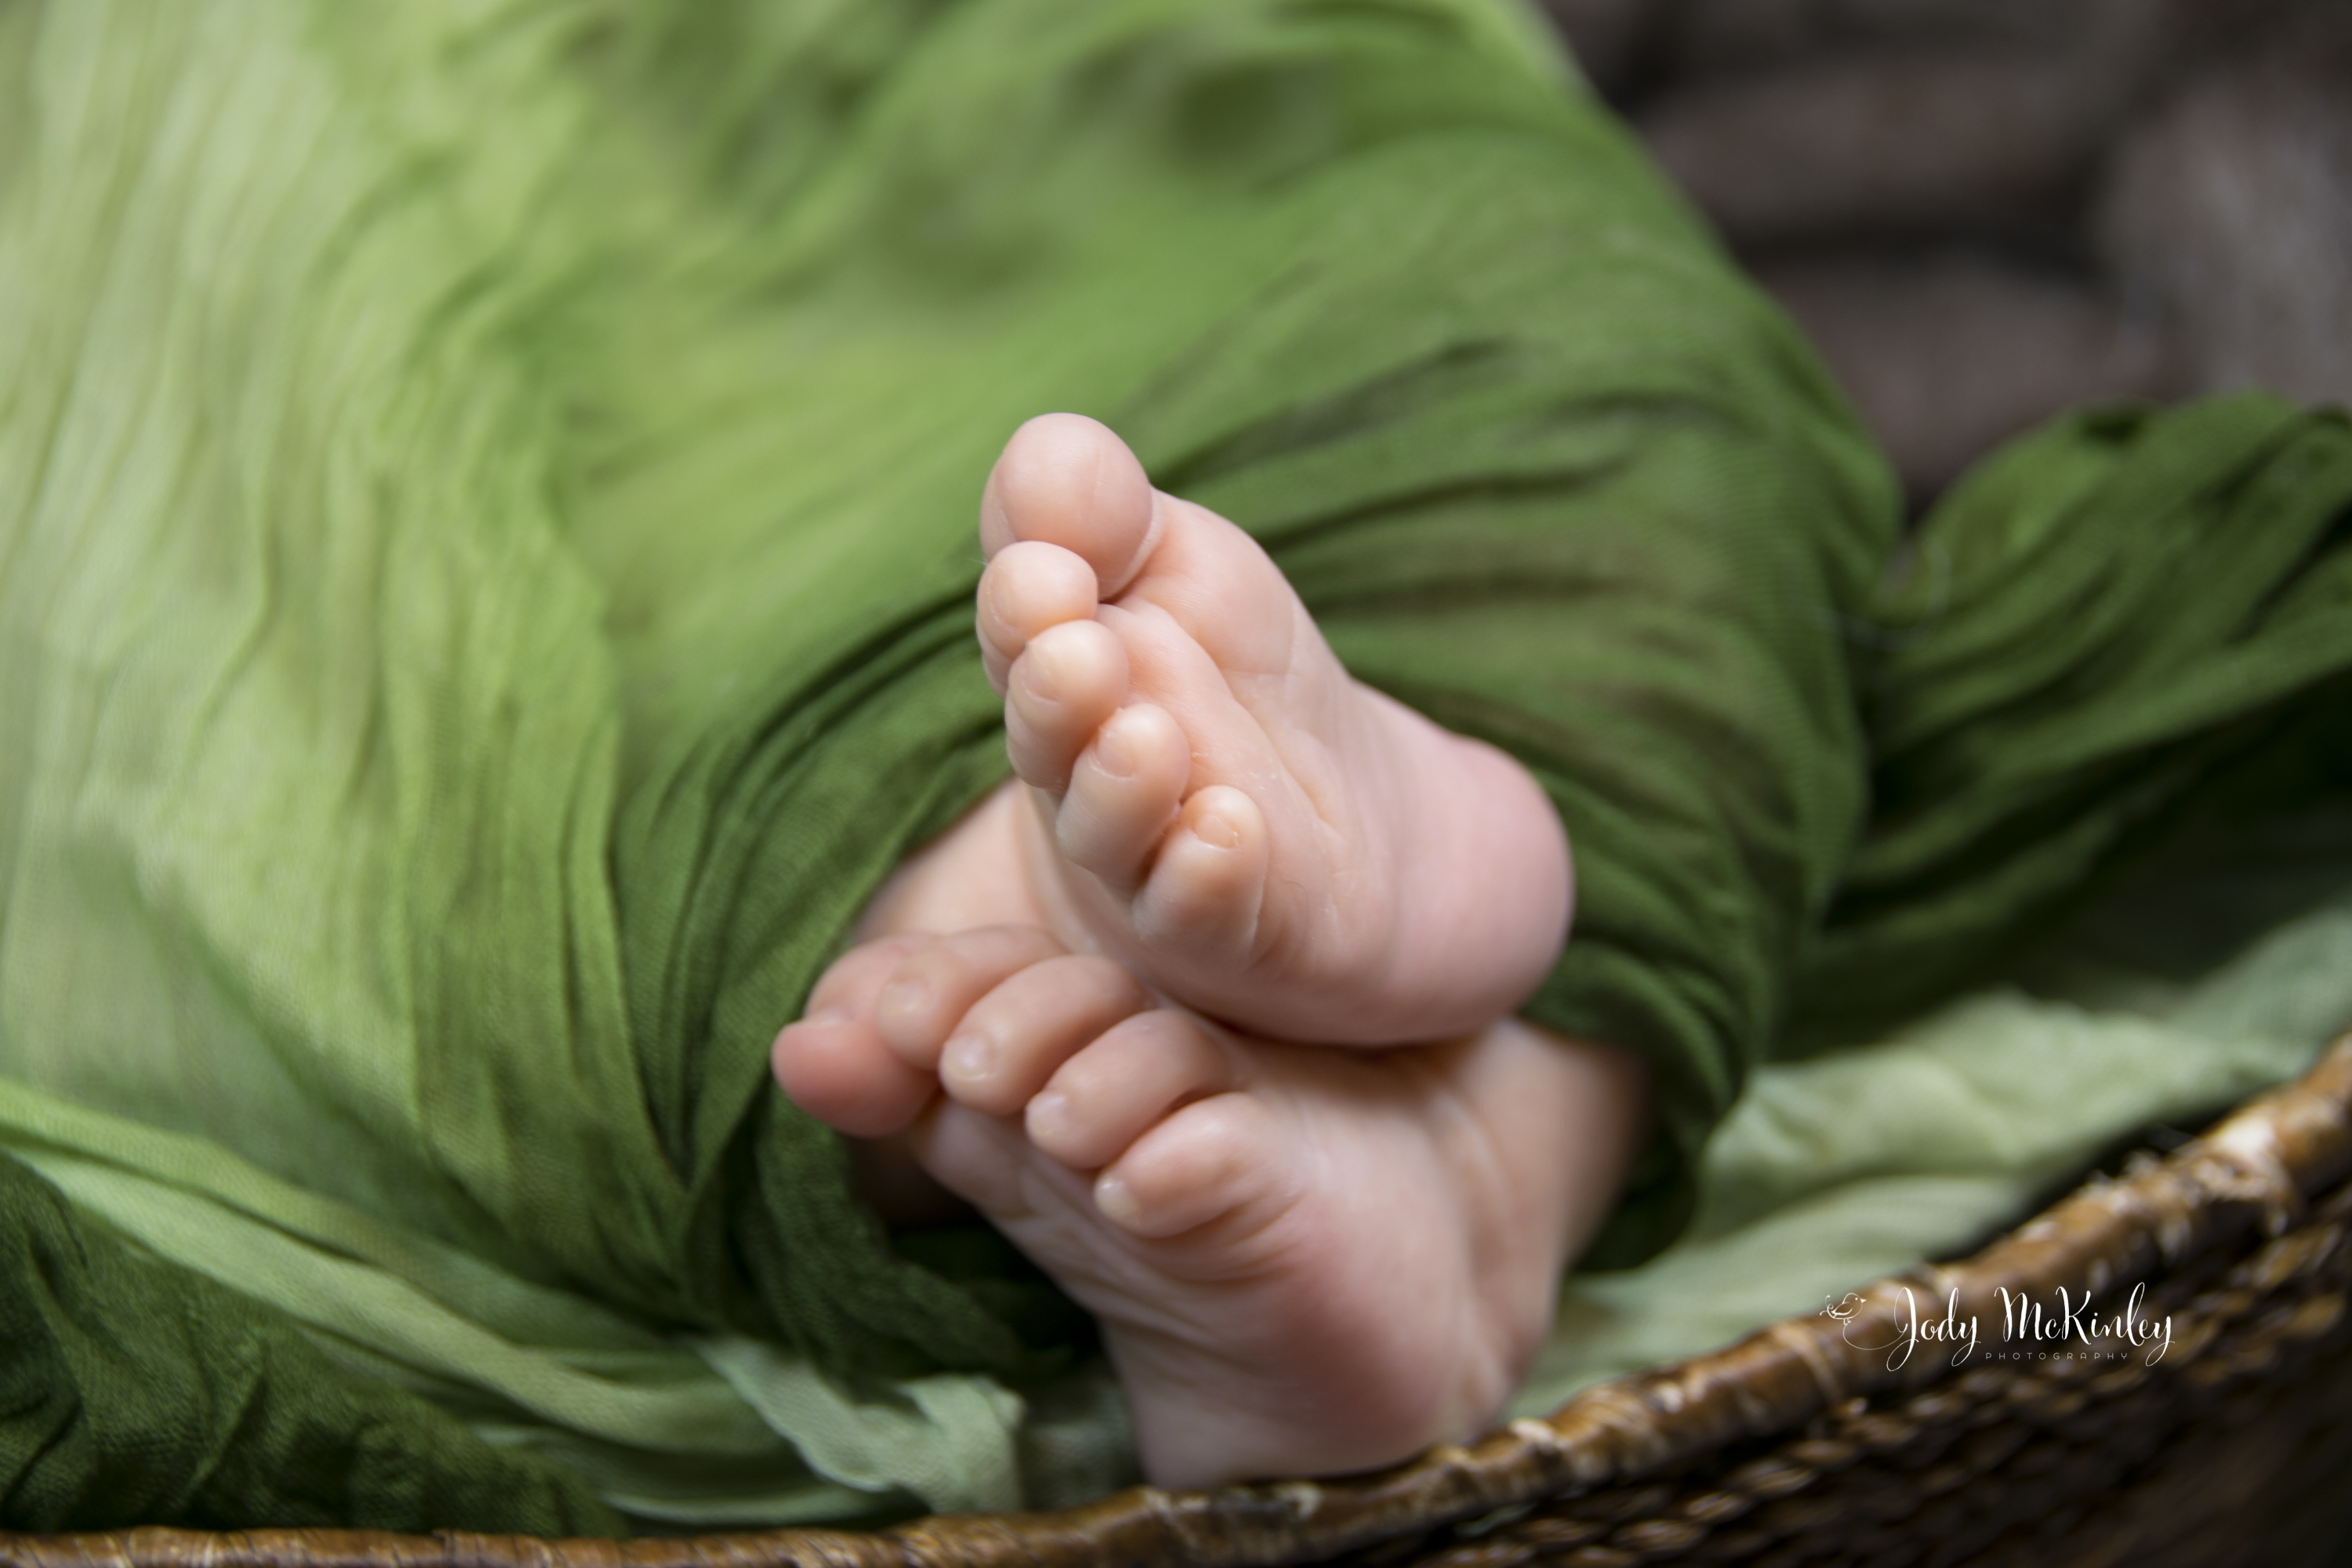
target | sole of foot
x=1219, y=806
x=1306, y=1261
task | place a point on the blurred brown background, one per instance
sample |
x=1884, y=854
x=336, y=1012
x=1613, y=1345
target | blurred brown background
x=1984, y=211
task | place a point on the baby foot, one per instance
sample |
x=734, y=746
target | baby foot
x=1305, y=1261
x=1219, y=806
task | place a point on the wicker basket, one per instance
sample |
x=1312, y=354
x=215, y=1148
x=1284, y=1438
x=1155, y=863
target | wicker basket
x=1796, y=1446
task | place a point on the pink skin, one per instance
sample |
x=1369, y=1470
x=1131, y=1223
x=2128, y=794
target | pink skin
x=1218, y=804
x=1305, y=1259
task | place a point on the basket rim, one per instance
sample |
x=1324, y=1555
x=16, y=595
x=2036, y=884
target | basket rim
x=2260, y=1166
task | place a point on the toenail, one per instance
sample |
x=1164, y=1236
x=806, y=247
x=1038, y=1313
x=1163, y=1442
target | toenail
x=836, y=1014
x=971, y=1058
x=904, y=996
x=993, y=586
x=1039, y=676
x=1049, y=1114
x=1215, y=831
x=1115, y=1201
x=1113, y=755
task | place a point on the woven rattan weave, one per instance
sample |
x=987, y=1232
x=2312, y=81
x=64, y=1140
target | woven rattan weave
x=1799, y=1445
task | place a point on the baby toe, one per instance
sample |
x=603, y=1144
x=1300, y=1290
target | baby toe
x=1059, y=693
x=833, y=1066
x=1124, y=791
x=936, y=980
x=1208, y=881
x=1026, y=589
x=1013, y=1040
x=1127, y=1080
x=831, y=1063
x=1216, y=1160
x=1066, y=480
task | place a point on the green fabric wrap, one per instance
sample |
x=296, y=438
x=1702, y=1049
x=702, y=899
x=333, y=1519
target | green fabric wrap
x=133, y=1390
x=2117, y=623
x=487, y=502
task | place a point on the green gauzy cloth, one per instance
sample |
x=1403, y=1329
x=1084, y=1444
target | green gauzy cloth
x=487, y=496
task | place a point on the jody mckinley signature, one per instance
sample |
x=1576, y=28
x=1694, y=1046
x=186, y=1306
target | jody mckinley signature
x=2025, y=1322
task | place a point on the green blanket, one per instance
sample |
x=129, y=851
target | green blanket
x=486, y=544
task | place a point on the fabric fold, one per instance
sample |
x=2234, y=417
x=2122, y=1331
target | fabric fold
x=486, y=498
x=2116, y=624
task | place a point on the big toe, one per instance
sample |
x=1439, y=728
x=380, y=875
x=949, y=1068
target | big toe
x=835, y=1065
x=1066, y=480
